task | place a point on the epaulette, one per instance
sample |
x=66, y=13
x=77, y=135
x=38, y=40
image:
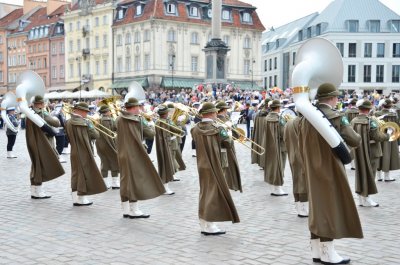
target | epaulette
x=373, y=124
x=344, y=121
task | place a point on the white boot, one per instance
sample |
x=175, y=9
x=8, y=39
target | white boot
x=360, y=200
x=115, y=183
x=212, y=229
x=107, y=181
x=62, y=160
x=168, y=191
x=80, y=200
x=314, y=245
x=40, y=193
x=74, y=197
x=303, y=209
x=379, y=175
x=33, y=192
x=66, y=150
x=136, y=212
x=10, y=154
x=194, y=153
x=278, y=191
x=329, y=254
x=368, y=202
x=126, y=210
x=352, y=165
x=297, y=206
x=387, y=177
x=203, y=225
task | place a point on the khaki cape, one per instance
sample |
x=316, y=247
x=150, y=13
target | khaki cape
x=107, y=147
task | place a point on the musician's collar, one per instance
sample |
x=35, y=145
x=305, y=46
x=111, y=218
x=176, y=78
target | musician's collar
x=207, y=120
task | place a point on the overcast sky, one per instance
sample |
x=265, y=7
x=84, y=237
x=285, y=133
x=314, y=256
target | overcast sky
x=279, y=12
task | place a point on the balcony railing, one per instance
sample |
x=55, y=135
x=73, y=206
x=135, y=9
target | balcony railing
x=85, y=30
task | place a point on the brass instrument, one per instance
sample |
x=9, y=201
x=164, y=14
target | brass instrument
x=288, y=114
x=112, y=104
x=384, y=126
x=150, y=117
x=67, y=108
x=179, y=111
x=242, y=138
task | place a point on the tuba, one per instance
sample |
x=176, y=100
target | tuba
x=135, y=90
x=318, y=62
x=9, y=100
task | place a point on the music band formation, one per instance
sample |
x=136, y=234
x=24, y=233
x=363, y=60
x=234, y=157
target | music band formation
x=120, y=133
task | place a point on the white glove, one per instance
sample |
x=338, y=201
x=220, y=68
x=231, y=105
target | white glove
x=389, y=131
x=151, y=123
x=230, y=133
x=229, y=124
x=181, y=118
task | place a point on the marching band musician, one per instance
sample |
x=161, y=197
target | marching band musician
x=275, y=149
x=196, y=119
x=258, y=135
x=139, y=178
x=365, y=155
x=228, y=155
x=107, y=149
x=60, y=134
x=352, y=112
x=11, y=135
x=215, y=201
x=165, y=158
x=45, y=163
x=332, y=212
x=291, y=136
x=86, y=178
x=175, y=143
x=390, y=159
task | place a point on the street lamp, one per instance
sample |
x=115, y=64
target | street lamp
x=172, y=64
x=252, y=73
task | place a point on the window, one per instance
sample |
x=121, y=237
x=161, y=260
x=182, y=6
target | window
x=368, y=50
x=1, y=56
x=171, y=8
x=300, y=35
x=247, y=43
x=367, y=73
x=396, y=50
x=1, y=76
x=128, y=64
x=171, y=35
x=53, y=48
x=226, y=39
x=78, y=25
x=171, y=61
x=352, y=49
x=396, y=73
x=139, y=10
x=105, y=41
x=270, y=64
x=194, y=63
x=96, y=21
x=351, y=73
x=105, y=20
x=62, y=48
x=137, y=37
x=226, y=15
x=294, y=58
x=270, y=81
x=246, y=17
x=246, y=67
x=309, y=32
x=78, y=45
x=70, y=27
x=265, y=65
x=61, y=71
x=374, y=26
x=379, y=73
x=275, y=63
x=119, y=65
x=97, y=42
x=209, y=13
x=146, y=36
x=97, y=67
x=87, y=43
x=380, y=50
x=146, y=61
x=193, y=11
x=353, y=26
x=275, y=80
x=194, y=38
x=120, y=14
x=105, y=67
x=87, y=68
x=318, y=29
x=119, y=40
x=395, y=26
x=71, y=70
x=1, y=39
x=127, y=38
x=54, y=72
x=137, y=63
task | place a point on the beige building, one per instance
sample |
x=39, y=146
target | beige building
x=88, y=45
x=160, y=43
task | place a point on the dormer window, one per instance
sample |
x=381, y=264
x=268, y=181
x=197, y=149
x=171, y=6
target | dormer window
x=46, y=31
x=41, y=33
x=395, y=26
x=121, y=13
x=193, y=11
x=374, y=26
x=31, y=34
x=171, y=8
x=246, y=17
x=139, y=10
x=209, y=13
x=226, y=15
x=352, y=25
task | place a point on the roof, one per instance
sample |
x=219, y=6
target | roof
x=154, y=9
x=15, y=14
x=98, y=2
x=14, y=25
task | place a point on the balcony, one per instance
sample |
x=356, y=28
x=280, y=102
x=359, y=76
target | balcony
x=85, y=30
x=86, y=78
x=85, y=52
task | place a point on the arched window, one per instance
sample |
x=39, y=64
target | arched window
x=171, y=8
x=193, y=11
x=246, y=17
x=194, y=38
x=128, y=38
x=171, y=35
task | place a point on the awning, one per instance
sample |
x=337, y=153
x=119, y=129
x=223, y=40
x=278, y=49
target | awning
x=56, y=88
x=245, y=85
x=180, y=82
x=124, y=83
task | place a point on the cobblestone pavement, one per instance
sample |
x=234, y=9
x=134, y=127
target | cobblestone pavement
x=54, y=232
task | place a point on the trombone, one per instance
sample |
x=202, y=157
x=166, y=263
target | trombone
x=149, y=117
x=242, y=139
x=67, y=108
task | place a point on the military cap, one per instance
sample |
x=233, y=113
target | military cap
x=222, y=105
x=275, y=103
x=131, y=102
x=327, y=90
x=208, y=107
x=162, y=109
x=104, y=109
x=366, y=104
x=195, y=104
x=353, y=101
x=10, y=108
x=170, y=105
x=82, y=106
x=387, y=103
x=92, y=106
x=38, y=99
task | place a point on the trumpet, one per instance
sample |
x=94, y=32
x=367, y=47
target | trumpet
x=384, y=126
x=112, y=103
x=242, y=139
x=150, y=117
x=67, y=108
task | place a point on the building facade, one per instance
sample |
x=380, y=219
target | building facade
x=366, y=32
